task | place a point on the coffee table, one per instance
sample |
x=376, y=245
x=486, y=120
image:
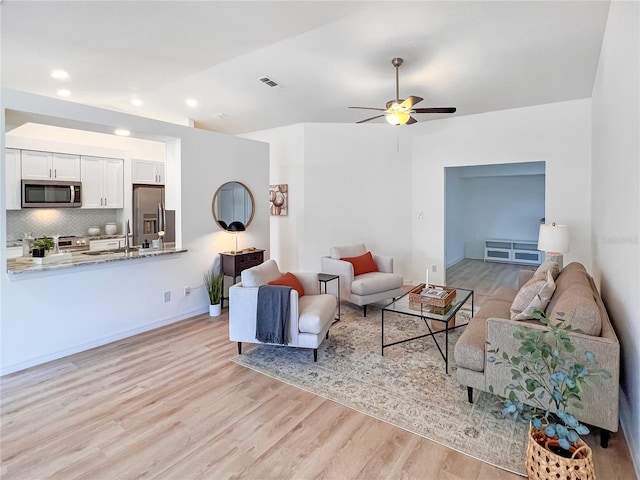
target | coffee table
x=425, y=312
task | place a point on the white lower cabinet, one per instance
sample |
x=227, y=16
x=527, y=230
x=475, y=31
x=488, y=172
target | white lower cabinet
x=14, y=252
x=514, y=251
x=13, y=176
x=107, y=244
x=102, y=182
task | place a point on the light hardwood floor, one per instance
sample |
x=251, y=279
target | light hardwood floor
x=169, y=404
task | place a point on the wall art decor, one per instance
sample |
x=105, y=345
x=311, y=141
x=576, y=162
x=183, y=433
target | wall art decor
x=279, y=199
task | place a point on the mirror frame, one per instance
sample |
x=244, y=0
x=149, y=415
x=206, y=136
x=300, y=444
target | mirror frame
x=215, y=196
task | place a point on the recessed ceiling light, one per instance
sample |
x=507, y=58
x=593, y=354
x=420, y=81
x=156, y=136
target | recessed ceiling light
x=123, y=132
x=64, y=93
x=191, y=102
x=137, y=102
x=60, y=74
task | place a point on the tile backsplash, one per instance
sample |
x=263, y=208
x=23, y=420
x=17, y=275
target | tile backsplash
x=56, y=221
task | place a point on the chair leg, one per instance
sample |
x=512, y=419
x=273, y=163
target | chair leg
x=315, y=354
x=239, y=348
x=470, y=394
x=604, y=438
x=364, y=309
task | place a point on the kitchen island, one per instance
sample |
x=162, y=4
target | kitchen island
x=16, y=267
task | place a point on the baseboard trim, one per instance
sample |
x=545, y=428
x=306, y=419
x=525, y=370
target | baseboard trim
x=633, y=443
x=32, y=362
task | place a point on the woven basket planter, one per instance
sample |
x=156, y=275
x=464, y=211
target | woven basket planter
x=543, y=464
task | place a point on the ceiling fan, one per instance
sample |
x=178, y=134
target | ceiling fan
x=399, y=111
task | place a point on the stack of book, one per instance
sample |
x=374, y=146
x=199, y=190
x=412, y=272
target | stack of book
x=434, y=292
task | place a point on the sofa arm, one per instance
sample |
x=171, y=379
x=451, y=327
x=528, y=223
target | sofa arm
x=243, y=307
x=524, y=276
x=600, y=401
x=384, y=263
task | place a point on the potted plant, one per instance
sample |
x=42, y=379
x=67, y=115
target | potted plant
x=213, y=284
x=41, y=245
x=550, y=378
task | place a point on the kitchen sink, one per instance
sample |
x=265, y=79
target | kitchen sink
x=105, y=252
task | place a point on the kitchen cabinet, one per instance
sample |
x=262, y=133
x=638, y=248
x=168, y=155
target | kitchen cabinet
x=106, y=244
x=102, y=182
x=148, y=172
x=12, y=179
x=50, y=166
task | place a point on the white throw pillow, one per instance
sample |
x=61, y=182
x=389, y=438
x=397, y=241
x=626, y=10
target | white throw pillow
x=549, y=265
x=534, y=295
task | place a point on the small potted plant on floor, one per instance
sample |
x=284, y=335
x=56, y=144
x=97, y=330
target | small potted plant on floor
x=213, y=284
x=550, y=378
x=41, y=245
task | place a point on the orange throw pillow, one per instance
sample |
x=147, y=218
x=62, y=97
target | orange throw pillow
x=289, y=280
x=362, y=264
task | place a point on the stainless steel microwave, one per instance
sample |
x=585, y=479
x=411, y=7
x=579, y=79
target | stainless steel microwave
x=50, y=193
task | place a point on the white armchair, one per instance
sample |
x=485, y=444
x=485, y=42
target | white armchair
x=310, y=318
x=365, y=288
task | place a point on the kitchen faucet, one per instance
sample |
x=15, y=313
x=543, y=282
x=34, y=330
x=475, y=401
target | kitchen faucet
x=127, y=246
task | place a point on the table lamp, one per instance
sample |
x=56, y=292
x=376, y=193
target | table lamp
x=554, y=241
x=235, y=228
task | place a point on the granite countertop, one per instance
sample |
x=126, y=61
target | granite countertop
x=79, y=259
x=18, y=243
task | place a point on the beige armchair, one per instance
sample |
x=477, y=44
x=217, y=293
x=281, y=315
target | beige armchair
x=310, y=315
x=365, y=288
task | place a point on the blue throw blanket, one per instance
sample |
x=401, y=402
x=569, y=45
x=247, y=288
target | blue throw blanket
x=272, y=318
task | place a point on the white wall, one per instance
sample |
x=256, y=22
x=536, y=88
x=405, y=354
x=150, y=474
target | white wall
x=558, y=134
x=616, y=199
x=286, y=153
x=47, y=315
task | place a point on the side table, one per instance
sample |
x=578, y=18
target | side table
x=323, y=278
x=232, y=264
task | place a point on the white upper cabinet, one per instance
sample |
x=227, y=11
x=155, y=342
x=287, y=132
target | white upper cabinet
x=12, y=179
x=50, y=166
x=148, y=172
x=102, y=182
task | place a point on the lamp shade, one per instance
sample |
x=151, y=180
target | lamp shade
x=236, y=227
x=553, y=238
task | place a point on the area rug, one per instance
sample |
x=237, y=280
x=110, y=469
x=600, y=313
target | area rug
x=407, y=387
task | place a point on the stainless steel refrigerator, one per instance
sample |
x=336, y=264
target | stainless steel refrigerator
x=149, y=215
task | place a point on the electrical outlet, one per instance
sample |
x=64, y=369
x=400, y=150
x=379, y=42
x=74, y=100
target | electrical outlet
x=434, y=268
x=187, y=291
x=167, y=297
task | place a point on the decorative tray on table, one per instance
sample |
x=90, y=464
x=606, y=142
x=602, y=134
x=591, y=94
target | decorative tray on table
x=434, y=296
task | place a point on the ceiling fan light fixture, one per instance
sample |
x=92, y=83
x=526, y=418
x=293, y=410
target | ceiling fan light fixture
x=396, y=117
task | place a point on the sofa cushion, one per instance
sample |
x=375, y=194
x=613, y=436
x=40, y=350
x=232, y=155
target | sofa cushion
x=534, y=295
x=289, y=280
x=261, y=274
x=572, y=274
x=579, y=308
x=314, y=312
x=375, y=282
x=549, y=265
x=348, y=251
x=469, y=349
x=494, y=308
x=362, y=264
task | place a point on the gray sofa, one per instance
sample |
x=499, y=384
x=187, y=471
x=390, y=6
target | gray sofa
x=576, y=296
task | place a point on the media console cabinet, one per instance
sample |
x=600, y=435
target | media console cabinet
x=512, y=251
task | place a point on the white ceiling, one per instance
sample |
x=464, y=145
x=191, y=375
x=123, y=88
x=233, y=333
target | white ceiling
x=478, y=56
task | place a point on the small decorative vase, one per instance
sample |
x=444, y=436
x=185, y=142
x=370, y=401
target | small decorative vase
x=215, y=310
x=38, y=252
x=543, y=463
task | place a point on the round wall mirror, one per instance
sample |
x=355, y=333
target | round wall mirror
x=233, y=202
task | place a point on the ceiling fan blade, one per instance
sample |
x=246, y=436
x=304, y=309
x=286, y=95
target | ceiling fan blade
x=435, y=110
x=372, y=118
x=410, y=102
x=370, y=108
x=411, y=120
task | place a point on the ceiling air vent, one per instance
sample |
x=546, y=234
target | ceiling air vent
x=270, y=82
